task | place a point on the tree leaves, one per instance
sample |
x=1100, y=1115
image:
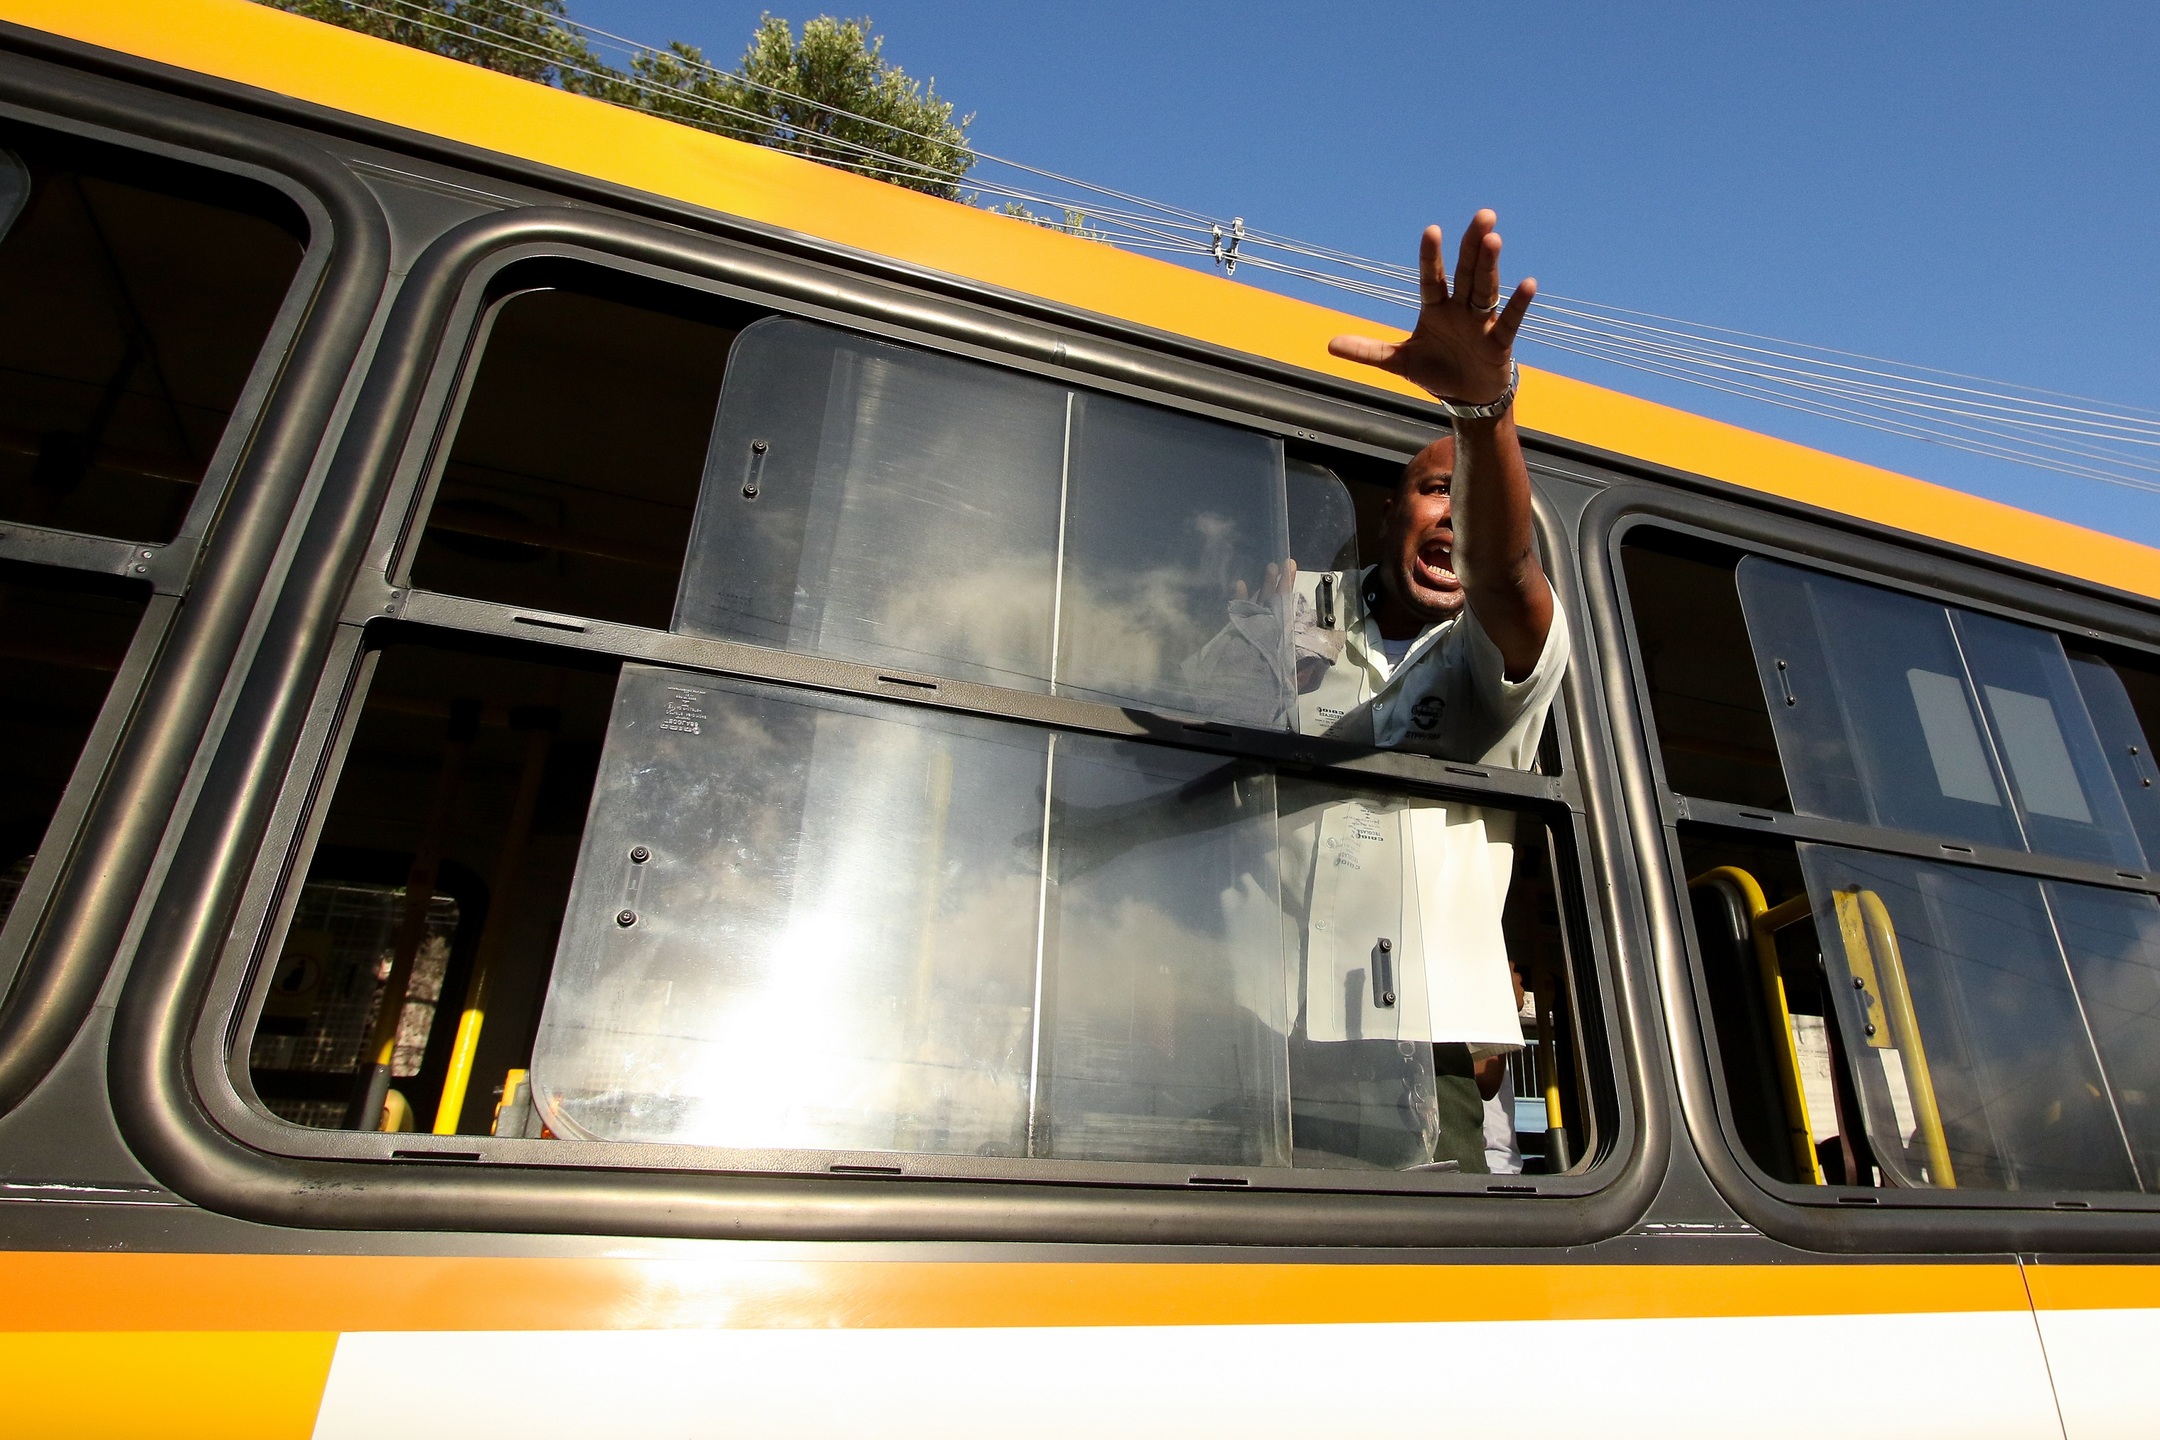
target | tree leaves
x=830, y=95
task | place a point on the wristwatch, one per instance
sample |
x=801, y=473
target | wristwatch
x=1491, y=409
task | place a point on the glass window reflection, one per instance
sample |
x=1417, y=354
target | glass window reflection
x=889, y=506
x=817, y=922
x=1962, y=1027
x=1895, y=711
x=805, y=921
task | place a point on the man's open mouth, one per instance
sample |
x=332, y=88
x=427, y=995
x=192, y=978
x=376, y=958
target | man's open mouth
x=1429, y=568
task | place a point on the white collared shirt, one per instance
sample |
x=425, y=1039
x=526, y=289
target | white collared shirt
x=1428, y=876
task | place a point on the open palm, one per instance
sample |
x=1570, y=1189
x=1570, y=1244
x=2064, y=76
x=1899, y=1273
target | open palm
x=1464, y=343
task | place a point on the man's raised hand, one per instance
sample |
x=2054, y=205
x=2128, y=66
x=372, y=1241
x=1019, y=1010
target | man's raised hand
x=1462, y=346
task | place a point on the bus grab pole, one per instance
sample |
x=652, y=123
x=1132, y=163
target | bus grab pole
x=1763, y=925
x=539, y=727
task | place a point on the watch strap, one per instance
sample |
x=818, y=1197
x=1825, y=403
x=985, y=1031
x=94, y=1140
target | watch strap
x=1497, y=406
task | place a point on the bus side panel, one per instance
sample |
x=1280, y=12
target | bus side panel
x=177, y=1385
x=1971, y=1374
x=2100, y=1325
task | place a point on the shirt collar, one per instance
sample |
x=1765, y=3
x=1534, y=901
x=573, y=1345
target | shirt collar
x=1364, y=636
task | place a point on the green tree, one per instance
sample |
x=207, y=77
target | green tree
x=1074, y=223
x=531, y=39
x=831, y=95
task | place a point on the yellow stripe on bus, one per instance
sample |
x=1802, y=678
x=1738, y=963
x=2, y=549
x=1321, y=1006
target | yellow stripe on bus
x=2094, y=1287
x=105, y=1291
x=171, y=1385
x=249, y=44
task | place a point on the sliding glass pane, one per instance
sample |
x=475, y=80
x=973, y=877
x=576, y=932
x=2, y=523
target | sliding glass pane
x=894, y=507
x=1966, y=1037
x=1892, y=710
x=1162, y=987
x=2129, y=751
x=1173, y=525
x=870, y=502
x=798, y=921
x=2066, y=794
x=2113, y=940
x=805, y=921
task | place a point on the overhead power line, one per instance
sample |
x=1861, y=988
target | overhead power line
x=2048, y=430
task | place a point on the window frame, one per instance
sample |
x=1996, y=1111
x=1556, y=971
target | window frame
x=475, y=1183
x=169, y=565
x=104, y=841
x=1836, y=1217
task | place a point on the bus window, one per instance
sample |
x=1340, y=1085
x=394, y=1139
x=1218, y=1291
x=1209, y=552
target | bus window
x=1713, y=731
x=329, y=987
x=885, y=505
x=1897, y=711
x=803, y=921
x=138, y=295
x=1881, y=1020
x=439, y=878
x=62, y=636
x=2123, y=699
x=1966, y=1039
x=810, y=928
x=570, y=481
x=783, y=920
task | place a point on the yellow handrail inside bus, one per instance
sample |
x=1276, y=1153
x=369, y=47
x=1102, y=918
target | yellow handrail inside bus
x=517, y=835
x=1557, y=1156
x=1763, y=925
x=1871, y=949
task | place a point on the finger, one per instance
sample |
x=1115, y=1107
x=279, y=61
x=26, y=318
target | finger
x=1238, y=591
x=1289, y=576
x=1364, y=350
x=1467, y=256
x=1269, y=590
x=1485, y=286
x=1431, y=274
x=1518, y=305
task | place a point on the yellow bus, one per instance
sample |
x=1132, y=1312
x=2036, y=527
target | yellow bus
x=608, y=831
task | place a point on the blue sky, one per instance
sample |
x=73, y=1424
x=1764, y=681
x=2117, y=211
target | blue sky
x=1974, y=187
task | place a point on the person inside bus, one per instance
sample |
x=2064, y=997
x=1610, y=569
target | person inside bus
x=1452, y=644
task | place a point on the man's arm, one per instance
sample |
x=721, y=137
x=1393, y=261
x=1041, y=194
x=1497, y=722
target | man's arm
x=1462, y=349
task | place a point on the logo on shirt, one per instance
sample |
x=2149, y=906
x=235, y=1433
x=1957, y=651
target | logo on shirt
x=1425, y=714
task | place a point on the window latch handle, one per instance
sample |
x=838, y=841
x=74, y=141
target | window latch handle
x=1383, y=973
x=754, y=469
